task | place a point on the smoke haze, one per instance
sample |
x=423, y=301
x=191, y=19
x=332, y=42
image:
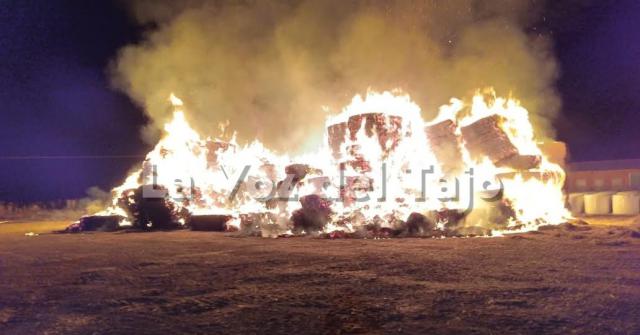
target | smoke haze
x=268, y=67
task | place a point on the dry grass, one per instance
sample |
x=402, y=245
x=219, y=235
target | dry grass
x=23, y=227
x=580, y=279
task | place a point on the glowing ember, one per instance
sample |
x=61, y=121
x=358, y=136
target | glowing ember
x=475, y=169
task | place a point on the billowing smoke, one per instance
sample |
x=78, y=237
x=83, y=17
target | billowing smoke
x=269, y=67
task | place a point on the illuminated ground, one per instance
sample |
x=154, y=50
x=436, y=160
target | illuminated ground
x=556, y=281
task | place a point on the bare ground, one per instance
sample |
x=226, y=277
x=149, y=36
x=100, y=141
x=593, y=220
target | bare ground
x=573, y=279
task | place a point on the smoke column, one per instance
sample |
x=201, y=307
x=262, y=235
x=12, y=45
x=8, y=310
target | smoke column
x=269, y=67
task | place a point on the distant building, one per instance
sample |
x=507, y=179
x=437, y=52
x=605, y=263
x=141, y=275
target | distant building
x=613, y=175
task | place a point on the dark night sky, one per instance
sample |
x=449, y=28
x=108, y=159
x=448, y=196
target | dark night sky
x=56, y=98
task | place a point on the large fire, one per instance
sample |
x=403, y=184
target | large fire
x=476, y=169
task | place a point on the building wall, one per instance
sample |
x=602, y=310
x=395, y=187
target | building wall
x=604, y=180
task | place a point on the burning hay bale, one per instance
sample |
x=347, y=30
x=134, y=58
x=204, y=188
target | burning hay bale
x=95, y=223
x=452, y=220
x=284, y=188
x=151, y=213
x=482, y=221
x=500, y=213
x=354, y=185
x=445, y=144
x=270, y=171
x=313, y=216
x=419, y=225
x=211, y=222
x=356, y=160
x=485, y=138
x=100, y=223
x=214, y=148
x=375, y=231
x=337, y=135
x=521, y=162
x=383, y=227
x=258, y=224
x=298, y=171
x=386, y=128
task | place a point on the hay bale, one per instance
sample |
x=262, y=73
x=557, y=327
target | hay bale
x=353, y=186
x=254, y=223
x=337, y=135
x=313, y=216
x=386, y=128
x=150, y=213
x=99, y=223
x=626, y=203
x=419, y=224
x=453, y=220
x=597, y=203
x=298, y=171
x=521, y=162
x=445, y=144
x=485, y=138
x=210, y=222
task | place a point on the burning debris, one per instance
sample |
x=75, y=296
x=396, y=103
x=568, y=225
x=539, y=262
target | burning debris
x=383, y=172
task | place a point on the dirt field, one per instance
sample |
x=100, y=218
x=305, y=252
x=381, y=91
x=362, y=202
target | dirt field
x=573, y=279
